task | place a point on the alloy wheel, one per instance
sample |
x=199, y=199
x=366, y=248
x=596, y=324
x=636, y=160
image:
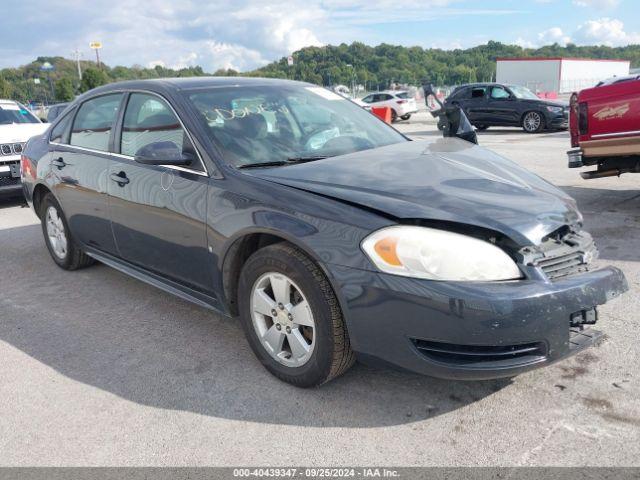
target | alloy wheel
x=282, y=319
x=532, y=122
x=56, y=233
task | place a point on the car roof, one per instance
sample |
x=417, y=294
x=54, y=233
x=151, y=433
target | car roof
x=8, y=102
x=620, y=79
x=189, y=83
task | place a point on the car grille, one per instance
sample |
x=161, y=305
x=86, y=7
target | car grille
x=11, y=148
x=563, y=255
x=9, y=181
x=470, y=355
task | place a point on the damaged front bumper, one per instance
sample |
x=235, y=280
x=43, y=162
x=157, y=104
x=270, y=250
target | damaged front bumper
x=471, y=330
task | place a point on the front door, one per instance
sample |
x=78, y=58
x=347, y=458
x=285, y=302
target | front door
x=80, y=160
x=158, y=212
x=502, y=108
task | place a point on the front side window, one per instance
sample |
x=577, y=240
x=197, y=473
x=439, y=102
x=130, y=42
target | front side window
x=260, y=124
x=94, y=122
x=15, y=113
x=60, y=134
x=148, y=119
x=499, y=93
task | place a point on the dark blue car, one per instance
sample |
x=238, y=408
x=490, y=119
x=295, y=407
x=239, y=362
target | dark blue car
x=332, y=236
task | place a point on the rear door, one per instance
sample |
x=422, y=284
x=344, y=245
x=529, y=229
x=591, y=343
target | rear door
x=475, y=104
x=158, y=212
x=80, y=164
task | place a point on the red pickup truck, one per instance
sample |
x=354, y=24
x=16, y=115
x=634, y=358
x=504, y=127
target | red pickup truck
x=605, y=127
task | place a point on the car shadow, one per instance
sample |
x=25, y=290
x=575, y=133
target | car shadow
x=105, y=329
x=8, y=201
x=613, y=218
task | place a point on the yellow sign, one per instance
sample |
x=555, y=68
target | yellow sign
x=95, y=45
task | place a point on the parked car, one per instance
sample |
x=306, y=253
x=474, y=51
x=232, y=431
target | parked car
x=17, y=125
x=329, y=233
x=604, y=126
x=55, y=110
x=492, y=104
x=402, y=105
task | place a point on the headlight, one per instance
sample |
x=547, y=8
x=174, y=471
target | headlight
x=437, y=255
x=555, y=109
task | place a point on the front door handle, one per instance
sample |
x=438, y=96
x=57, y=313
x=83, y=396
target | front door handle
x=120, y=178
x=58, y=162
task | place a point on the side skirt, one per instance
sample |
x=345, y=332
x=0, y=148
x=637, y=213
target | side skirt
x=152, y=279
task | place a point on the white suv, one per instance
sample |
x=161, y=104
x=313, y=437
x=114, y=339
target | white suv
x=17, y=125
x=401, y=104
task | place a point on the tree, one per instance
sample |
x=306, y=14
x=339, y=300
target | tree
x=92, y=78
x=64, y=89
x=5, y=88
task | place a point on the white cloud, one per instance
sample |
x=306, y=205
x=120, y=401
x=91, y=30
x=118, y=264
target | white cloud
x=553, y=35
x=598, y=4
x=605, y=31
x=240, y=34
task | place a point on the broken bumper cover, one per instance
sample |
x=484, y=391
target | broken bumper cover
x=470, y=330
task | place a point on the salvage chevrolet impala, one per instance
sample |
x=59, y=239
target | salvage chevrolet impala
x=331, y=235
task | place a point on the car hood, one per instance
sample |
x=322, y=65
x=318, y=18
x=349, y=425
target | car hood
x=20, y=132
x=444, y=180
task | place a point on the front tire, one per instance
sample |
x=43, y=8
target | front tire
x=291, y=317
x=57, y=236
x=406, y=117
x=532, y=122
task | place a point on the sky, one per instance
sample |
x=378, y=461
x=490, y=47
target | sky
x=245, y=34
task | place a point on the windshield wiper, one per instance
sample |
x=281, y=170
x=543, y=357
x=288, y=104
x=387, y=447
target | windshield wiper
x=305, y=159
x=279, y=163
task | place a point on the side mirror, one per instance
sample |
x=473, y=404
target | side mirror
x=162, y=153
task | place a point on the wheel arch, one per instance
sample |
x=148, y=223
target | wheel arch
x=39, y=192
x=243, y=245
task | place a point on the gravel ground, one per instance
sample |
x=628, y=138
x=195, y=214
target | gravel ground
x=100, y=369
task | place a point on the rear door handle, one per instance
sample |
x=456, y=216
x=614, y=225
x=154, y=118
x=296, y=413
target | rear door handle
x=58, y=162
x=120, y=178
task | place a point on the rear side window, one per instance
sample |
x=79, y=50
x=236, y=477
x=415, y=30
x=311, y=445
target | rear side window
x=94, y=122
x=403, y=95
x=60, y=133
x=478, y=92
x=460, y=93
x=148, y=119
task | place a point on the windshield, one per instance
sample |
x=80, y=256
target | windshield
x=523, y=92
x=261, y=124
x=15, y=113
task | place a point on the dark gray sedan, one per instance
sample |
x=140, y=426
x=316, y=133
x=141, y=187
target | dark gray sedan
x=331, y=235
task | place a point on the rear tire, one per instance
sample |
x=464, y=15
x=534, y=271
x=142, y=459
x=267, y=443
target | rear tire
x=533, y=122
x=57, y=236
x=394, y=116
x=328, y=353
x=406, y=117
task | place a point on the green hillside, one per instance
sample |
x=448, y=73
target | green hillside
x=374, y=67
